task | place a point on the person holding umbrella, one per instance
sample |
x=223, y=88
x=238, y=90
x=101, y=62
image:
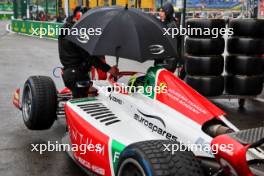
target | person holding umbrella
x=77, y=62
x=126, y=33
x=166, y=17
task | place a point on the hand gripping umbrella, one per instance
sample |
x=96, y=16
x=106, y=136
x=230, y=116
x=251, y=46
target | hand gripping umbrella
x=122, y=32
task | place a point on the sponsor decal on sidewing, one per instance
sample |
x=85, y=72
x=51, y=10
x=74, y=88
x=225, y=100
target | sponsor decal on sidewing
x=115, y=99
x=143, y=118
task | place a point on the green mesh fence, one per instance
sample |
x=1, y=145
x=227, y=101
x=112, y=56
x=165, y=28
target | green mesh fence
x=39, y=10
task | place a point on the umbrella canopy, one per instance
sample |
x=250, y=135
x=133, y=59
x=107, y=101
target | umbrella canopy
x=122, y=32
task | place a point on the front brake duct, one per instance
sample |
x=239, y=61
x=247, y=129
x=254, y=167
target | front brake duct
x=231, y=151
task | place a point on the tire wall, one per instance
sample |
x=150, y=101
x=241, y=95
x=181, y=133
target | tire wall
x=204, y=62
x=244, y=61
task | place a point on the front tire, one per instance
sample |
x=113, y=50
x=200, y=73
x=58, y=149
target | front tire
x=39, y=103
x=149, y=158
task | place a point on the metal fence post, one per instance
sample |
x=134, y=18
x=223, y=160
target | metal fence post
x=47, y=8
x=15, y=8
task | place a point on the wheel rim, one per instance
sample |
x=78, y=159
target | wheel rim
x=130, y=167
x=27, y=103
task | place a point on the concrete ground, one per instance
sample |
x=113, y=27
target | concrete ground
x=22, y=56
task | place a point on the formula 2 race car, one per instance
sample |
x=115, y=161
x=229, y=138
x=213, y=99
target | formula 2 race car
x=160, y=127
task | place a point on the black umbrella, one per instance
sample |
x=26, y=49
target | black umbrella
x=122, y=32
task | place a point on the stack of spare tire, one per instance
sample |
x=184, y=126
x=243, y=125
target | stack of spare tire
x=204, y=63
x=244, y=62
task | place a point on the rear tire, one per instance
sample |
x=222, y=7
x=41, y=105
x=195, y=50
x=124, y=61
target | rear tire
x=204, y=65
x=247, y=27
x=245, y=46
x=244, y=85
x=206, y=24
x=39, y=103
x=244, y=65
x=149, y=158
x=204, y=46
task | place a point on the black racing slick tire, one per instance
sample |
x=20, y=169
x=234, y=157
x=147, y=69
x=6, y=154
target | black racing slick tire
x=151, y=158
x=244, y=85
x=245, y=46
x=247, y=27
x=202, y=27
x=204, y=65
x=204, y=46
x=206, y=85
x=244, y=65
x=39, y=103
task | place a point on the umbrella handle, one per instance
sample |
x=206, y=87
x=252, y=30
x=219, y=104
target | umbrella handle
x=117, y=59
x=117, y=55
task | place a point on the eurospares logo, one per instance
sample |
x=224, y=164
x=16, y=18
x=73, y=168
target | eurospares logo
x=142, y=118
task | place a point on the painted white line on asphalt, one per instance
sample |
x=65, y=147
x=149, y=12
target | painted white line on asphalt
x=34, y=36
x=8, y=28
x=260, y=99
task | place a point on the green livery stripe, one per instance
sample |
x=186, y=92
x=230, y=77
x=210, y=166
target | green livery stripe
x=150, y=81
x=81, y=100
x=117, y=148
